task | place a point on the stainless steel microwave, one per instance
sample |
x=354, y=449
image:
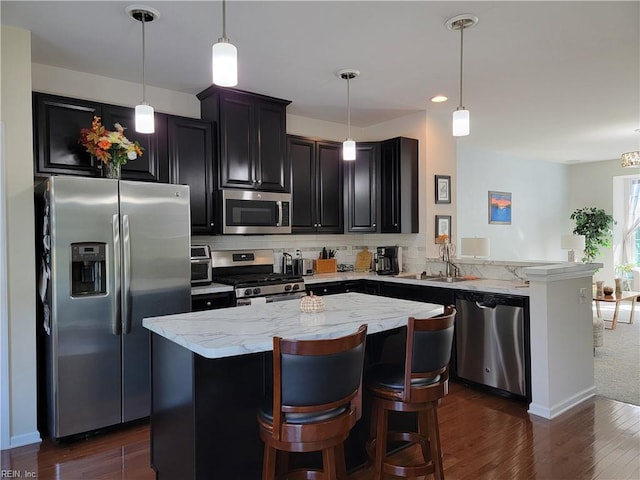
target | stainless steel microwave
x=200, y=265
x=249, y=212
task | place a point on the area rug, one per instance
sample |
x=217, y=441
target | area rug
x=617, y=362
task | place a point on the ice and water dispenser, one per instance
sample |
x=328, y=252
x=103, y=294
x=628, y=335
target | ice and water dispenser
x=88, y=269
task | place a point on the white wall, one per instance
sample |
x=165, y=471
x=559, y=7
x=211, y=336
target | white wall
x=592, y=185
x=539, y=197
x=15, y=112
x=70, y=83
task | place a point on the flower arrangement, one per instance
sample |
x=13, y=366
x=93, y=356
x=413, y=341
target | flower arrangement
x=111, y=148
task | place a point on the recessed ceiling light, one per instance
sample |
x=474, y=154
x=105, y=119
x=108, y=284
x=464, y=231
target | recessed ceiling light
x=439, y=99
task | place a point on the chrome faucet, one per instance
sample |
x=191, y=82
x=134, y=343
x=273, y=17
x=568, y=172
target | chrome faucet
x=450, y=269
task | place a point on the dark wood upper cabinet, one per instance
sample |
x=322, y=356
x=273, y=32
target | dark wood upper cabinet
x=57, y=124
x=399, y=185
x=146, y=167
x=361, y=189
x=316, y=173
x=190, y=148
x=252, y=134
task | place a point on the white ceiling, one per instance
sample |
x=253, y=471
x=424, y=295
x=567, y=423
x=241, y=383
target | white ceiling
x=557, y=81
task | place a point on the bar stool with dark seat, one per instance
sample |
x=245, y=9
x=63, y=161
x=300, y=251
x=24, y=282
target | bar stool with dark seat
x=416, y=385
x=316, y=401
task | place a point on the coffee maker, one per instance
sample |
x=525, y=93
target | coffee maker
x=388, y=260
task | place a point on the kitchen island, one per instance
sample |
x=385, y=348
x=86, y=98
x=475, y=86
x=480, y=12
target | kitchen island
x=210, y=371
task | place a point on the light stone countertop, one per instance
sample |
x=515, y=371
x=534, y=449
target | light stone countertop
x=211, y=288
x=235, y=331
x=509, y=287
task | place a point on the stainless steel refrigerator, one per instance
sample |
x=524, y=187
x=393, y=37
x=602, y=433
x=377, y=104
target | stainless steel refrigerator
x=113, y=253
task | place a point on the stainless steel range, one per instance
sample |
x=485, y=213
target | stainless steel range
x=252, y=276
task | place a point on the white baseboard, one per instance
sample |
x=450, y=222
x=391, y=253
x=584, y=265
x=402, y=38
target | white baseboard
x=559, y=408
x=25, y=439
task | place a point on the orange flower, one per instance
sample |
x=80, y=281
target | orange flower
x=109, y=147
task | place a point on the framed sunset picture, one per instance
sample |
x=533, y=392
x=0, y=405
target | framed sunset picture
x=500, y=208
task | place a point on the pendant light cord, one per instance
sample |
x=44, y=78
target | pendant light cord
x=348, y=109
x=144, y=87
x=224, y=19
x=461, y=50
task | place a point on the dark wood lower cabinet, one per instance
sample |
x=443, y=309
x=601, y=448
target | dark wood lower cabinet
x=203, y=414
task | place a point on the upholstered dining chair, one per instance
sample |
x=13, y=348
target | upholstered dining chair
x=316, y=401
x=415, y=385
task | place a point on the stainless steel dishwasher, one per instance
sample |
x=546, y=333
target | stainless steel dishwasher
x=490, y=340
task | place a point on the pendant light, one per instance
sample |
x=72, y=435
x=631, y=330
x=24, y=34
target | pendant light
x=144, y=118
x=224, y=57
x=631, y=159
x=349, y=145
x=461, y=115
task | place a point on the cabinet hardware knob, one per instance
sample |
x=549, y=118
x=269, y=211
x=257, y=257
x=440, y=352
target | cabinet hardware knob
x=259, y=182
x=374, y=224
x=211, y=224
x=319, y=224
x=208, y=304
x=315, y=224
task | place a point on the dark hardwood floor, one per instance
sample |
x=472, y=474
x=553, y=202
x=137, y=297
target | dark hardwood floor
x=483, y=437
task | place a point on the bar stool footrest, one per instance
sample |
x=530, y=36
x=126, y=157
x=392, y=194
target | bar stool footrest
x=411, y=438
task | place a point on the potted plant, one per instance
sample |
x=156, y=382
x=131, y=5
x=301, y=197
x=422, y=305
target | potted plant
x=597, y=227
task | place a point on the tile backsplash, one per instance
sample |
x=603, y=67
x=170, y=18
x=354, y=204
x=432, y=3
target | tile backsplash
x=414, y=258
x=346, y=246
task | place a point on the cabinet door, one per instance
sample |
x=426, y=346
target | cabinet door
x=191, y=160
x=302, y=154
x=329, y=178
x=58, y=121
x=389, y=184
x=146, y=167
x=399, y=186
x=272, y=165
x=361, y=189
x=237, y=142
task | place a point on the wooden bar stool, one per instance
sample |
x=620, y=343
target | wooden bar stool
x=417, y=385
x=316, y=401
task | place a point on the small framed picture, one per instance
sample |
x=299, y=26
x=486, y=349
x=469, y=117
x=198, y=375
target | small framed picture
x=443, y=228
x=443, y=189
x=500, y=208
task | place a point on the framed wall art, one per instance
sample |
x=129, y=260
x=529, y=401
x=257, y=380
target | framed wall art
x=443, y=228
x=443, y=189
x=500, y=208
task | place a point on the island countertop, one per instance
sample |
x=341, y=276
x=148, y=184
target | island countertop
x=235, y=331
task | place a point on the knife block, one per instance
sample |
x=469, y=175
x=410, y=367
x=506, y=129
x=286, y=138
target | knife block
x=330, y=265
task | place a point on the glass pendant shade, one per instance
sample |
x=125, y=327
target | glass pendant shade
x=461, y=123
x=144, y=119
x=349, y=149
x=224, y=61
x=630, y=159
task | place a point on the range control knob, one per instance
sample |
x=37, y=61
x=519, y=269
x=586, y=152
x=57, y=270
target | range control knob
x=256, y=291
x=247, y=291
x=296, y=287
x=287, y=288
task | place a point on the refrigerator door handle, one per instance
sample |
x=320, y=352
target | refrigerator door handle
x=115, y=321
x=126, y=275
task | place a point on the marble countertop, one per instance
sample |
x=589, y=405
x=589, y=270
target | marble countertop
x=510, y=287
x=211, y=288
x=235, y=331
